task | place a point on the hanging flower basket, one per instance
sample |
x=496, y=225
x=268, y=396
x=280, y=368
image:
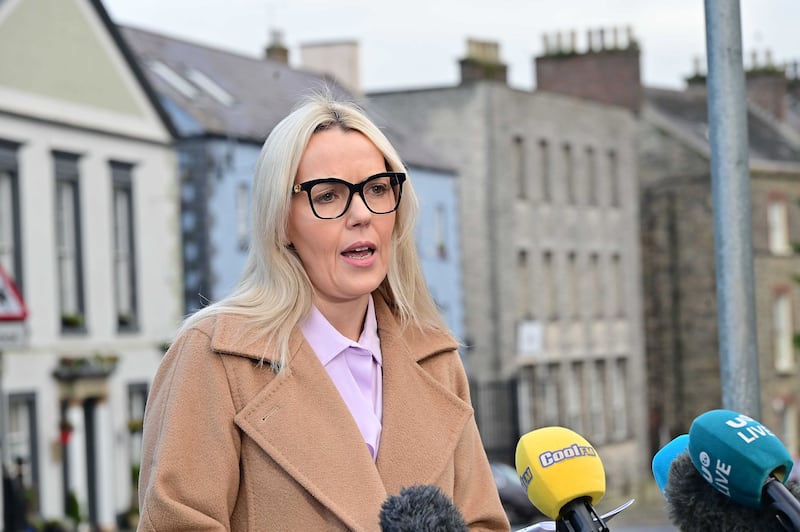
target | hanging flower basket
x=65, y=431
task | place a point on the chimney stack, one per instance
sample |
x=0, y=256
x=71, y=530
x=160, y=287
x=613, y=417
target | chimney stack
x=697, y=81
x=482, y=62
x=606, y=72
x=767, y=85
x=276, y=50
x=339, y=59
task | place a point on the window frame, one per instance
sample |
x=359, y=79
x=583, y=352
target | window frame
x=122, y=184
x=67, y=174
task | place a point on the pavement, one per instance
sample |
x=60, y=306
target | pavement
x=648, y=513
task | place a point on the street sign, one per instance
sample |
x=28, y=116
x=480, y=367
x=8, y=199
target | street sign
x=12, y=307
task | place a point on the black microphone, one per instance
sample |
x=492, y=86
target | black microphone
x=694, y=505
x=421, y=509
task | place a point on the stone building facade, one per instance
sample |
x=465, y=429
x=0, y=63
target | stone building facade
x=677, y=239
x=679, y=264
x=549, y=229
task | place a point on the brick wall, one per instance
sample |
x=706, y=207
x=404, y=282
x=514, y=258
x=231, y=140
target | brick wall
x=606, y=76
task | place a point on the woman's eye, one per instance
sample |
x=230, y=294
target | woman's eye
x=325, y=197
x=377, y=189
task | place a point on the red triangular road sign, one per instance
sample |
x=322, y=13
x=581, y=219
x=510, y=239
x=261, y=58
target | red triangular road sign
x=12, y=307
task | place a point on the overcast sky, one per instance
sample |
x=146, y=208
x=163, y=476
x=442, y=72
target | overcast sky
x=417, y=43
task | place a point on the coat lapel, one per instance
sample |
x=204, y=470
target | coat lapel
x=422, y=420
x=299, y=420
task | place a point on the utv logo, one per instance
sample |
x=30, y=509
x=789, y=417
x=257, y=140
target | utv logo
x=526, y=477
x=549, y=458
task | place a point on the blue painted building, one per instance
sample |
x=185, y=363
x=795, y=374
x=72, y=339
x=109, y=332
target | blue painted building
x=223, y=105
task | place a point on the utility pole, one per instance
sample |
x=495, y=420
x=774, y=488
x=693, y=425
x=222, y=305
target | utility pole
x=730, y=180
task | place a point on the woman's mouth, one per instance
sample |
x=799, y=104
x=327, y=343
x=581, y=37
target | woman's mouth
x=360, y=252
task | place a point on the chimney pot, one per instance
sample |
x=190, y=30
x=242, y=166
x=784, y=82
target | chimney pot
x=602, y=77
x=276, y=50
x=482, y=62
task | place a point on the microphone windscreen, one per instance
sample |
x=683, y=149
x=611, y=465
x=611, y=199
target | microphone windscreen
x=557, y=466
x=736, y=454
x=693, y=505
x=421, y=509
x=664, y=457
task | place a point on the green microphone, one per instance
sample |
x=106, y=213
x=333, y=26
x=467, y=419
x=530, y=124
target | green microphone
x=745, y=461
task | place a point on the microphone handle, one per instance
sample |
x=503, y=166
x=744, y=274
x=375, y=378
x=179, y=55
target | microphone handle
x=782, y=504
x=580, y=516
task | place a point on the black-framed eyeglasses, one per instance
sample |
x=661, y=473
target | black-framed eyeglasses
x=330, y=197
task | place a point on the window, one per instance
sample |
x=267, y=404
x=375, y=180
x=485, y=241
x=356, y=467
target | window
x=574, y=407
x=242, y=216
x=10, y=251
x=210, y=86
x=569, y=175
x=137, y=400
x=22, y=439
x=124, y=257
x=68, y=242
x=551, y=383
x=591, y=177
x=782, y=331
x=573, y=294
x=596, y=380
x=440, y=231
x=617, y=386
x=548, y=288
x=788, y=424
x=525, y=404
x=613, y=178
x=173, y=79
x=596, y=291
x=523, y=288
x=619, y=285
x=778, y=226
x=544, y=171
x=518, y=160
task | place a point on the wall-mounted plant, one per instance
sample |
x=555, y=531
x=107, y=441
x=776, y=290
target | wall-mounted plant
x=72, y=321
x=135, y=425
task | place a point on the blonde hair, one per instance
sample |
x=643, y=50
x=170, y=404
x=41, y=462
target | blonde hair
x=274, y=292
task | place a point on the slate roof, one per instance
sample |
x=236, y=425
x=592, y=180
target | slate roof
x=793, y=104
x=261, y=92
x=688, y=110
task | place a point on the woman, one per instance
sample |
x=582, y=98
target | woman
x=327, y=381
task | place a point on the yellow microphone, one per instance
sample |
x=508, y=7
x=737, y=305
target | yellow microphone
x=564, y=477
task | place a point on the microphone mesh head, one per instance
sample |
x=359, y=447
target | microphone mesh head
x=694, y=505
x=421, y=509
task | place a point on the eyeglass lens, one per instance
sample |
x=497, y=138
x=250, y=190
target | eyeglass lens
x=330, y=199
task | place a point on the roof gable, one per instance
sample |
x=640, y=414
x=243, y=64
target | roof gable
x=209, y=92
x=60, y=61
x=685, y=113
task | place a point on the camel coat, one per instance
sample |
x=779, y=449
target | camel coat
x=230, y=445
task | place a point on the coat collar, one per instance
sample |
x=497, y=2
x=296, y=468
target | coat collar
x=299, y=420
